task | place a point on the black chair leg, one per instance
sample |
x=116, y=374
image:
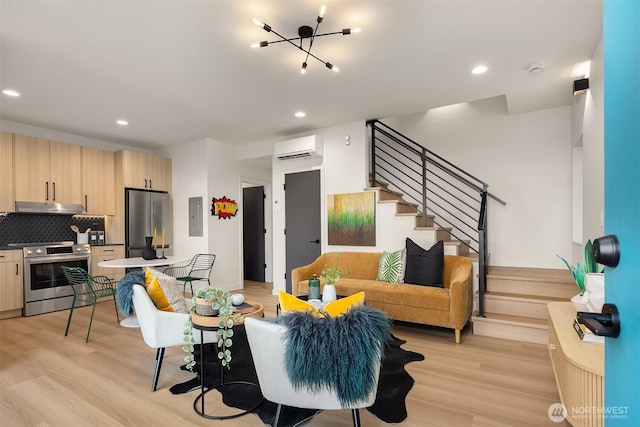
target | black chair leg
x=73, y=304
x=156, y=375
x=356, y=417
x=275, y=423
x=116, y=306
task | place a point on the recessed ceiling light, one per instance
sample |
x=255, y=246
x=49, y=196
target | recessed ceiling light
x=122, y=122
x=10, y=92
x=479, y=69
x=300, y=114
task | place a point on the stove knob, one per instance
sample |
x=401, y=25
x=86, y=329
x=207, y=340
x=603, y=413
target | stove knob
x=29, y=251
x=38, y=251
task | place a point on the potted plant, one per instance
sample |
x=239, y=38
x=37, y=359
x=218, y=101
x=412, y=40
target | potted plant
x=210, y=301
x=580, y=273
x=331, y=276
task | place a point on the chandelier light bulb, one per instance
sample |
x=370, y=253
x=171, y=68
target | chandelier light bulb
x=303, y=69
x=255, y=45
x=262, y=25
x=11, y=92
x=355, y=30
x=323, y=9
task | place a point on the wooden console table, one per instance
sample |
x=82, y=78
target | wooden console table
x=578, y=367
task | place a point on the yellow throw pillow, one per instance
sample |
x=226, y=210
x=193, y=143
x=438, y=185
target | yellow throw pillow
x=341, y=306
x=289, y=303
x=164, y=291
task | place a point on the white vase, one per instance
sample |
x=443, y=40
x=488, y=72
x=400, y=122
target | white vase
x=594, y=285
x=329, y=293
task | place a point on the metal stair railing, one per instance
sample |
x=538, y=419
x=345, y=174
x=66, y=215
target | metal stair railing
x=455, y=198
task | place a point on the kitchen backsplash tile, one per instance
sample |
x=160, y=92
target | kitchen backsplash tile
x=22, y=228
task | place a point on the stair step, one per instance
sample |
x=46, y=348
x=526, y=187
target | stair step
x=439, y=233
x=531, y=281
x=517, y=328
x=460, y=248
x=384, y=194
x=534, y=306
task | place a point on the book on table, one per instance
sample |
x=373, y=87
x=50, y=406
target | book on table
x=585, y=334
x=244, y=308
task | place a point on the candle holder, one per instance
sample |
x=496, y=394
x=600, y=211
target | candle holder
x=163, y=257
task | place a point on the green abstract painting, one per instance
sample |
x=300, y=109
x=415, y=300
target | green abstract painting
x=351, y=219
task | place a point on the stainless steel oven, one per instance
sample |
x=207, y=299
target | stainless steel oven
x=45, y=287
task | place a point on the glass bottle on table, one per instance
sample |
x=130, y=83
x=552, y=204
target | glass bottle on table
x=314, y=288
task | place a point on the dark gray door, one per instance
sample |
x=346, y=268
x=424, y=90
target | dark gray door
x=302, y=219
x=253, y=233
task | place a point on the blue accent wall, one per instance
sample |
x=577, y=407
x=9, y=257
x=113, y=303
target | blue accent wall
x=621, y=47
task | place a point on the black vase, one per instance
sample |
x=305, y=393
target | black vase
x=149, y=252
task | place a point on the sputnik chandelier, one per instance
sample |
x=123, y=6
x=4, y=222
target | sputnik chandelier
x=304, y=32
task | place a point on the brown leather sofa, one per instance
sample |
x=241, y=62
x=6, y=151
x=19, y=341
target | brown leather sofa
x=448, y=307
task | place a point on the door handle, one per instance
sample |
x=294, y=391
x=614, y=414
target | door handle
x=315, y=241
x=605, y=324
x=606, y=250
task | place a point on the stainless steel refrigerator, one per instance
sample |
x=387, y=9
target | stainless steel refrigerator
x=144, y=212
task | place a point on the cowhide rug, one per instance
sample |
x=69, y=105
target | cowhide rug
x=393, y=386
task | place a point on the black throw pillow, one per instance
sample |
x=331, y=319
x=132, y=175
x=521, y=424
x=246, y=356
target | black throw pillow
x=424, y=267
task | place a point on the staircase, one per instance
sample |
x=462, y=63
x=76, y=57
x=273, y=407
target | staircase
x=405, y=209
x=515, y=303
x=452, y=204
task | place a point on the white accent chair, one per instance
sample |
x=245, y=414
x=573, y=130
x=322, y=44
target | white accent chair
x=267, y=348
x=161, y=329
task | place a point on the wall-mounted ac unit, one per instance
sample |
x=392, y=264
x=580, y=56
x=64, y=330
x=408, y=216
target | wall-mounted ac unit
x=299, y=148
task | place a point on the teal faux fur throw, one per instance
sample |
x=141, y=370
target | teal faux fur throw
x=335, y=352
x=124, y=291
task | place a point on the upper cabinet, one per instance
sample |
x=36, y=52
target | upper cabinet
x=47, y=171
x=144, y=171
x=6, y=172
x=98, y=181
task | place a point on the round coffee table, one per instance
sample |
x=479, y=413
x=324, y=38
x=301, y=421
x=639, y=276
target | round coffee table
x=210, y=323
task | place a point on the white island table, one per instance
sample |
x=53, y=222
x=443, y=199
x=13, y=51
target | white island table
x=132, y=322
x=141, y=262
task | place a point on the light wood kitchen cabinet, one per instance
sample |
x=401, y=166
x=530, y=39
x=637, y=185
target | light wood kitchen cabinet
x=107, y=253
x=144, y=171
x=11, y=284
x=6, y=172
x=47, y=171
x=98, y=181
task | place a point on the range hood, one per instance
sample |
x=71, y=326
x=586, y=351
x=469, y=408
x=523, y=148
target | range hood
x=49, y=208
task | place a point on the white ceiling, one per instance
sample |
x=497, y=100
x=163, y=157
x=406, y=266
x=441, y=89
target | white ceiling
x=183, y=70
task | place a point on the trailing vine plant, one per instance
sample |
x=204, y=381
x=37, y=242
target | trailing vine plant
x=220, y=301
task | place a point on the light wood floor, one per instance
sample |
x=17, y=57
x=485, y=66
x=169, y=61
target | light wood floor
x=47, y=379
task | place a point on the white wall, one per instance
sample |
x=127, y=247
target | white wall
x=342, y=170
x=593, y=154
x=207, y=168
x=189, y=168
x=525, y=159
